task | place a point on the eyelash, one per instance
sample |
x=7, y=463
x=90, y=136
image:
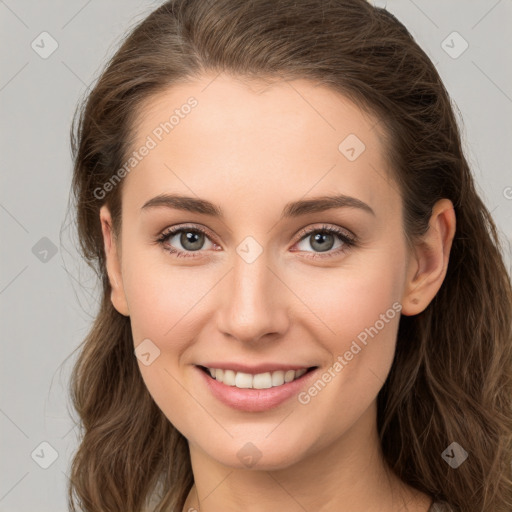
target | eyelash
x=347, y=240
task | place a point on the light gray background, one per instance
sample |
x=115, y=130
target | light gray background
x=47, y=306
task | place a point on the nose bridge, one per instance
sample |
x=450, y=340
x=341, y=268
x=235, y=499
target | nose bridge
x=252, y=302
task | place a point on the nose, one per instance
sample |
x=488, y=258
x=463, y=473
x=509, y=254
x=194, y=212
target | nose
x=253, y=302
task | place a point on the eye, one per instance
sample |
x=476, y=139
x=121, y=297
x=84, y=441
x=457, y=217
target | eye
x=323, y=239
x=191, y=239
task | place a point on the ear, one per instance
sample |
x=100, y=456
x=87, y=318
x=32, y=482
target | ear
x=113, y=262
x=429, y=259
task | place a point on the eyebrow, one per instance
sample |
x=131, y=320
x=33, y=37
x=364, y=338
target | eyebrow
x=293, y=209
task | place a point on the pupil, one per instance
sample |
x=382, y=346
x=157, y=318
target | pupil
x=191, y=240
x=320, y=238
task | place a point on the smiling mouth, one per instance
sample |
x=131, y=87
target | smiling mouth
x=264, y=380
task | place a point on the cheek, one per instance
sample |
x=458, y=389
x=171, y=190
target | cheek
x=337, y=307
x=362, y=315
x=352, y=298
x=163, y=299
x=164, y=308
x=356, y=317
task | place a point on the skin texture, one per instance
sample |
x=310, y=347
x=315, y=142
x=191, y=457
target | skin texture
x=251, y=148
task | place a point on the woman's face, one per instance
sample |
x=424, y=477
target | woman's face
x=267, y=288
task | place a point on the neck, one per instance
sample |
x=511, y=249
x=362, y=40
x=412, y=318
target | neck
x=348, y=474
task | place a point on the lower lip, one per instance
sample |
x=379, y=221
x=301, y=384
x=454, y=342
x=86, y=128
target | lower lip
x=255, y=400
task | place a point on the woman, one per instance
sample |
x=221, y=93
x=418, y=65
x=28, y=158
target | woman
x=304, y=302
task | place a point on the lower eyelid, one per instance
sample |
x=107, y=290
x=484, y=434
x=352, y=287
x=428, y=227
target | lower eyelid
x=165, y=237
x=344, y=247
x=346, y=240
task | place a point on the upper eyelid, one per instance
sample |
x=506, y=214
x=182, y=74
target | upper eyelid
x=337, y=230
x=302, y=233
x=176, y=229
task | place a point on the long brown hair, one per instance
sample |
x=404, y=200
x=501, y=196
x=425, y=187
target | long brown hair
x=451, y=379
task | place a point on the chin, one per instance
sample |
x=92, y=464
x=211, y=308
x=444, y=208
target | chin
x=254, y=455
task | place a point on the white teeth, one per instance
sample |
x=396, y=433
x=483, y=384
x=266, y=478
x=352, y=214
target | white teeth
x=278, y=378
x=242, y=380
x=259, y=381
x=229, y=377
x=289, y=375
x=262, y=381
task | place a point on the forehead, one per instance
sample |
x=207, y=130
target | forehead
x=219, y=136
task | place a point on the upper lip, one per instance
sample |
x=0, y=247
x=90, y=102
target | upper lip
x=255, y=369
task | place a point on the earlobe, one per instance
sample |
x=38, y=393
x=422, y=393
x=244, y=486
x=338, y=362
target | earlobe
x=113, y=263
x=429, y=261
